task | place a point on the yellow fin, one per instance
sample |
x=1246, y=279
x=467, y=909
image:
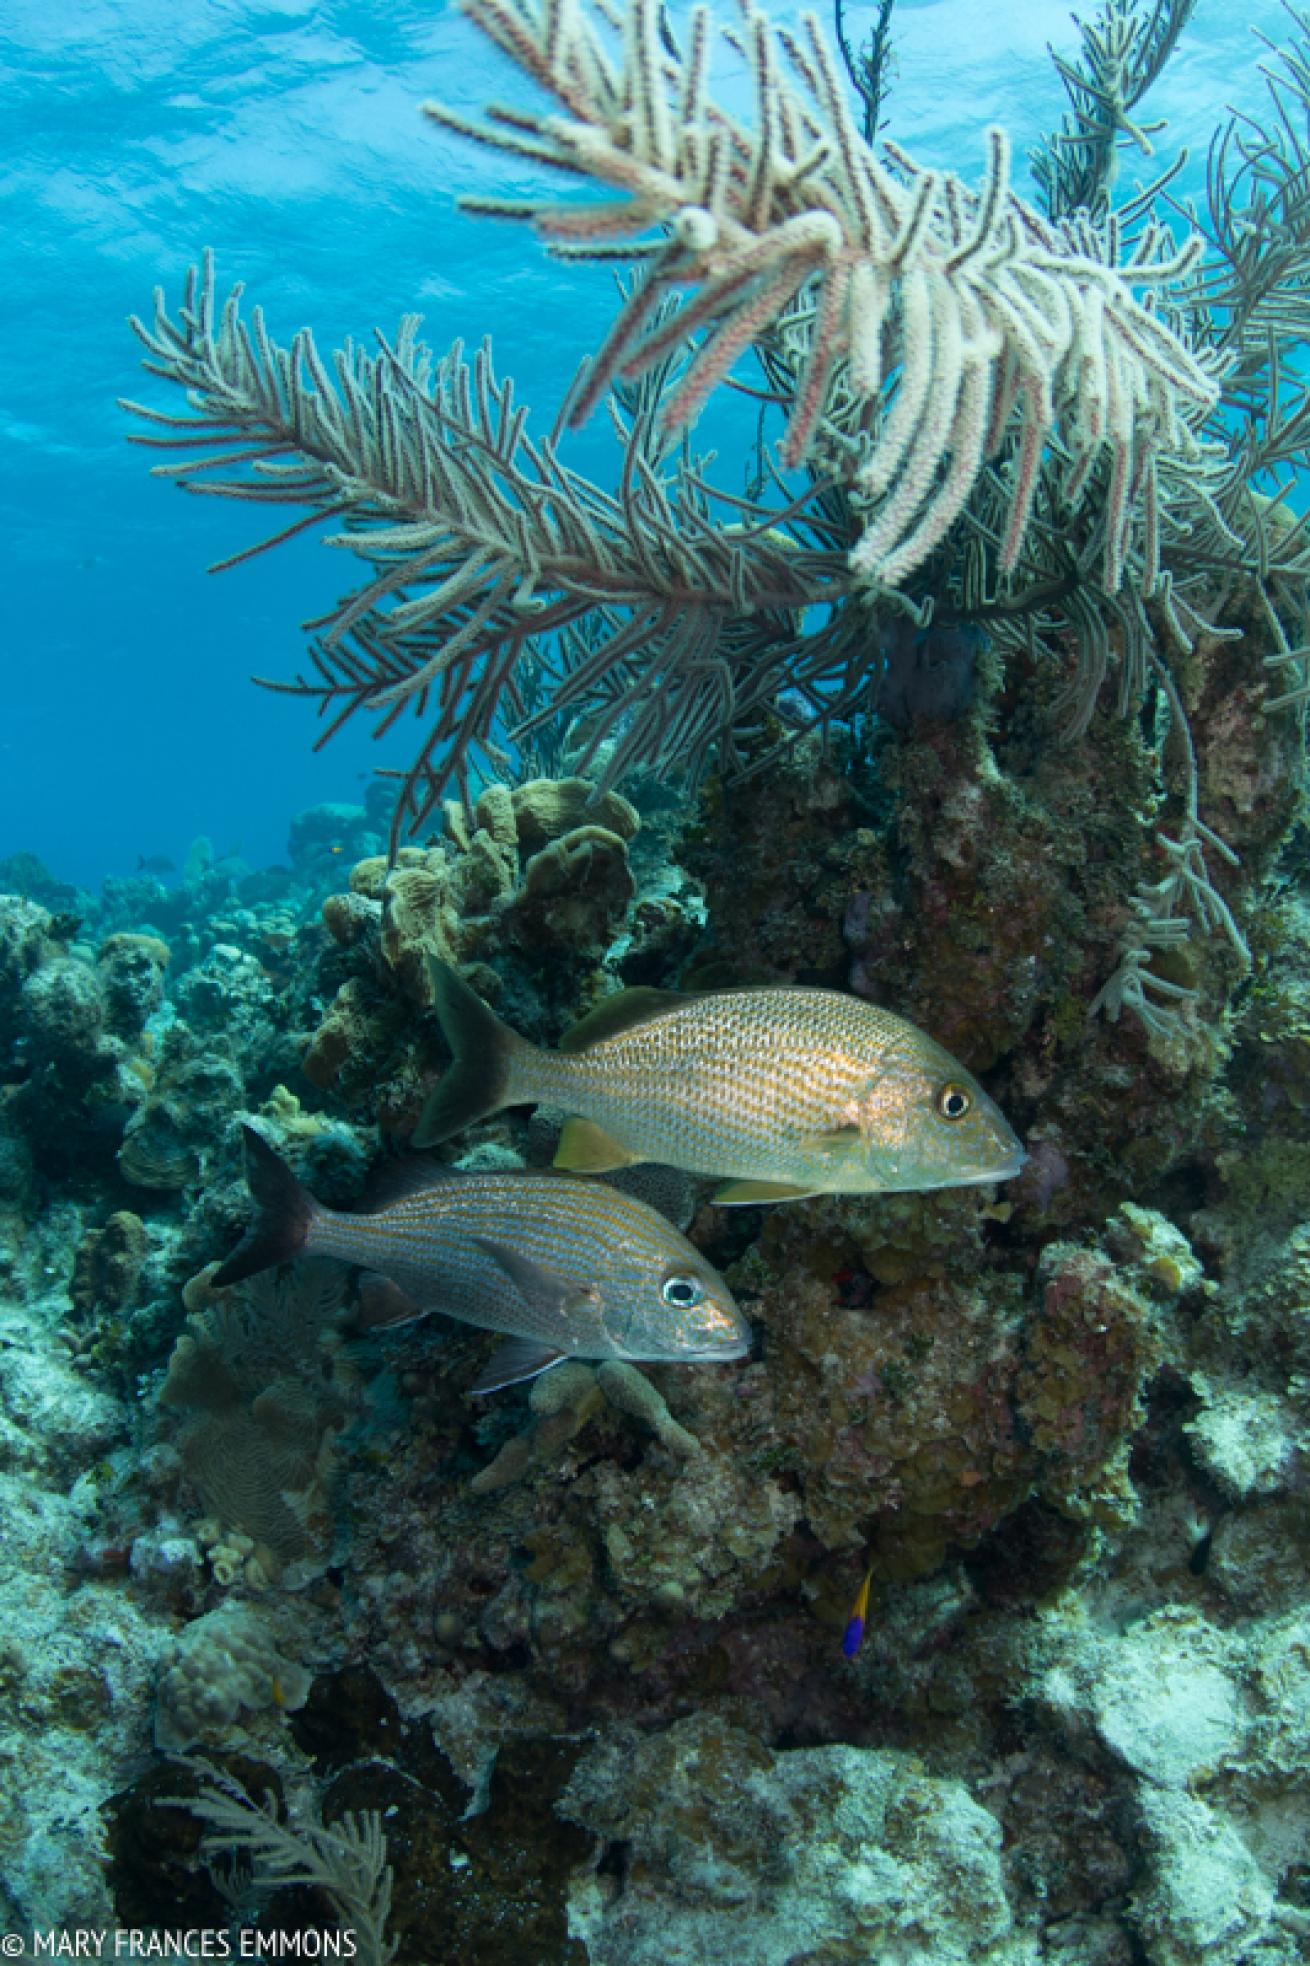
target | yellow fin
x=585, y=1148
x=621, y=1012
x=834, y=1141
x=737, y=1194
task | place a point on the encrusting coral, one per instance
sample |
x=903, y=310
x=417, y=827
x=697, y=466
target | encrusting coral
x=740, y=1852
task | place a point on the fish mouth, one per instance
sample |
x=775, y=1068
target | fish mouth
x=707, y=1355
x=1008, y=1168
x=983, y=1177
x=1006, y=1171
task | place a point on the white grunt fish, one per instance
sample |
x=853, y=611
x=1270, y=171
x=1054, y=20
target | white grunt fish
x=785, y=1090
x=566, y=1268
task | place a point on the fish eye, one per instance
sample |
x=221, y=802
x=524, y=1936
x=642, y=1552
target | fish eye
x=953, y=1102
x=682, y=1292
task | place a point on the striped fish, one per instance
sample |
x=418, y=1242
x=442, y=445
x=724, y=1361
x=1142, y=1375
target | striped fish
x=788, y=1091
x=567, y=1268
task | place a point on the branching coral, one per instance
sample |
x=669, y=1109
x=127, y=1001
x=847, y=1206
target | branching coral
x=1124, y=49
x=346, y=1860
x=983, y=310
x=432, y=470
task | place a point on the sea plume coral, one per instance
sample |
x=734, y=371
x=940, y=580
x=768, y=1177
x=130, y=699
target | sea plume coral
x=973, y=308
x=482, y=543
x=1072, y=429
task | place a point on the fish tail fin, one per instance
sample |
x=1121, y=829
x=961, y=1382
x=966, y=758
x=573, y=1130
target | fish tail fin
x=491, y=1066
x=285, y=1211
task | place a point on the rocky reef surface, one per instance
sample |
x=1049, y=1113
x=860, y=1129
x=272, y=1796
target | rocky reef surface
x=558, y=1676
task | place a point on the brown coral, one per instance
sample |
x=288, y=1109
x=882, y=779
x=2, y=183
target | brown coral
x=108, y=1263
x=546, y=808
x=574, y=894
x=1088, y=1349
x=543, y=868
x=917, y=1412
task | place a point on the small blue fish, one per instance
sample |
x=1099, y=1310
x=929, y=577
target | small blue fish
x=854, y=1636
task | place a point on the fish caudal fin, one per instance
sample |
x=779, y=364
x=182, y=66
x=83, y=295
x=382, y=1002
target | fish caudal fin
x=284, y=1214
x=482, y=1077
x=853, y=1637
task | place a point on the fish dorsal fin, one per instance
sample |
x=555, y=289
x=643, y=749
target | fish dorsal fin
x=741, y=1194
x=585, y=1148
x=519, y=1358
x=411, y=1174
x=622, y=1012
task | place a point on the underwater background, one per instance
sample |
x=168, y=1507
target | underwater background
x=965, y=1616
x=288, y=139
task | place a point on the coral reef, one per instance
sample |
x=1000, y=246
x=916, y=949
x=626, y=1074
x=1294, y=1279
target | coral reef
x=559, y=1675
x=540, y=876
x=225, y=1669
x=731, y=1850
x=1065, y=1425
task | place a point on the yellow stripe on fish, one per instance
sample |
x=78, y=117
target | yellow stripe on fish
x=566, y=1268
x=785, y=1090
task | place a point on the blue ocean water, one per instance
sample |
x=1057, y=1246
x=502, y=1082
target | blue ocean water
x=287, y=137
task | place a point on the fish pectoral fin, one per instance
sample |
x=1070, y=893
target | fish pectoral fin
x=383, y=1303
x=517, y=1359
x=740, y=1194
x=836, y=1140
x=585, y=1148
x=541, y=1289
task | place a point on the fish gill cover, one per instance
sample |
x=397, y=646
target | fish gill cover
x=964, y=1618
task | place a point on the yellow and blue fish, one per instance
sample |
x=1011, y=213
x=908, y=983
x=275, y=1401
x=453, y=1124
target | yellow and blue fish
x=853, y=1637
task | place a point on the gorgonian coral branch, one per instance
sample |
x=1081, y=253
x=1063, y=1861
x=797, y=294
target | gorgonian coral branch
x=480, y=541
x=966, y=310
x=1124, y=48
